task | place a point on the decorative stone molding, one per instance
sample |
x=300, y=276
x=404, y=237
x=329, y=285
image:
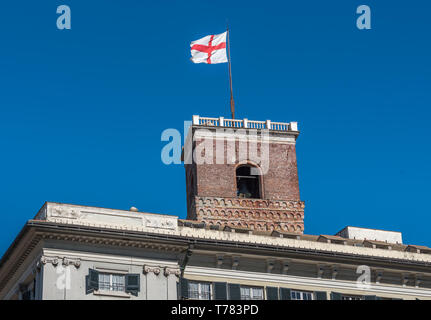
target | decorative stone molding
x=256, y=214
x=160, y=223
x=334, y=272
x=53, y=260
x=219, y=260
x=153, y=269
x=235, y=262
x=168, y=271
x=418, y=280
x=56, y=260
x=64, y=212
x=244, y=203
x=285, y=267
x=320, y=271
x=269, y=265
x=405, y=279
x=69, y=261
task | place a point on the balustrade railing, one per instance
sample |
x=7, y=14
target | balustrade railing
x=245, y=123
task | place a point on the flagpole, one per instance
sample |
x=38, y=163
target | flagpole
x=232, y=103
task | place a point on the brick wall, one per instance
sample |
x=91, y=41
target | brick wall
x=280, y=182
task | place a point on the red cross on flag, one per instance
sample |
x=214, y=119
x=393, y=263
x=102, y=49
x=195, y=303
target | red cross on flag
x=210, y=49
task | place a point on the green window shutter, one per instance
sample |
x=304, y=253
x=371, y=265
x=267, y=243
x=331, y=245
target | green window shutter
x=220, y=291
x=234, y=291
x=271, y=293
x=370, y=298
x=335, y=296
x=91, y=281
x=184, y=289
x=133, y=283
x=320, y=295
x=285, y=294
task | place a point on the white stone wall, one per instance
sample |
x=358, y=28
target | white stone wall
x=371, y=234
x=61, y=281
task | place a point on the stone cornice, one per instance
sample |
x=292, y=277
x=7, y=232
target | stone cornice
x=186, y=235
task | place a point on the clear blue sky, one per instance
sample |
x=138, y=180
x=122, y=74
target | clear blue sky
x=82, y=111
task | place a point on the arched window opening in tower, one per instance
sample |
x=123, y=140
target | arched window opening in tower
x=248, y=182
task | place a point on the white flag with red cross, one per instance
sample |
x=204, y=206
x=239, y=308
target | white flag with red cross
x=210, y=49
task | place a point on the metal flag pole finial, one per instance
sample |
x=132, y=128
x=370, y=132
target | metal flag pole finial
x=232, y=102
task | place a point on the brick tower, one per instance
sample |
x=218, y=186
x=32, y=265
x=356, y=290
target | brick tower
x=230, y=185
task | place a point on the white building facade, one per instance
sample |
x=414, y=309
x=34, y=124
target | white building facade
x=78, y=253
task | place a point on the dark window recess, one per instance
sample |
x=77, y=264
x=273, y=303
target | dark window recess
x=220, y=291
x=91, y=281
x=285, y=294
x=184, y=289
x=320, y=295
x=26, y=292
x=133, y=285
x=33, y=293
x=27, y=295
x=234, y=291
x=178, y=291
x=271, y=293
x=247, y=182
x=335, y=296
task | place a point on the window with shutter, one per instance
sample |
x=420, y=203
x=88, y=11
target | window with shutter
x=285, y=294
x=251, y=293
x=335, y=296
x=103, y=281
x=234, y=291
x=301, y=295
x=320, y=295
x=199, y=290
x=220, y=291
x=91, y=281
x=271, y=293
x=133, y=284
x=112, y=282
